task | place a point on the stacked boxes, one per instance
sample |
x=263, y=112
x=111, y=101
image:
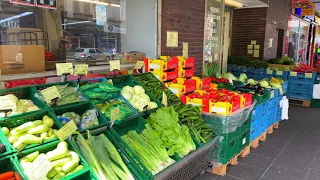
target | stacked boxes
x=186, y=67
x=301, y=85
x=165, y=68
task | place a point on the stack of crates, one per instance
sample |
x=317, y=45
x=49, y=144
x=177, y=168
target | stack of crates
x=301, y=85
x=232, y=143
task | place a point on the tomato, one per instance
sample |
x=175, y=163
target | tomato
x=205, y=96
x=174, y=81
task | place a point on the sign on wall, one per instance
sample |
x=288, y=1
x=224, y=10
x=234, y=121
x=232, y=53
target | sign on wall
x=308, y=9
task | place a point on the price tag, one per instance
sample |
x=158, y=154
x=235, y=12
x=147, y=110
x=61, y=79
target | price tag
x=50, y=93
x=281, y=91
x=139, y=65
x=293, y=73
x=269, y=71
x=308, y=75
x=243, y=140
x=115, y=113
x=67, y=130
x=114, y=65
x=81, y=69
x=2, y=85
x=64, y=68
x=279, y=73
x=6, y=103
x=272, y=94
x=164, y=99
x=39, y=168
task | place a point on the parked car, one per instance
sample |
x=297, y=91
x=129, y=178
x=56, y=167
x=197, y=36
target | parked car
x=90, y=54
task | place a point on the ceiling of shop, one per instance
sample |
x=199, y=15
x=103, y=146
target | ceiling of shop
x=253, y=3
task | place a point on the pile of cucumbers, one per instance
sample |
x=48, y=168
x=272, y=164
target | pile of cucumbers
x=191, y=116
x=155, y=88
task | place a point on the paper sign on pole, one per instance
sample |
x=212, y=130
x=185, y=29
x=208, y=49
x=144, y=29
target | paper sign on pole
x=81, y=69
x=67, y=130
x=114, y=65
x=50, y=93
x=185, y=50
x=64, y=68
x=164, y=99
x=115, y=113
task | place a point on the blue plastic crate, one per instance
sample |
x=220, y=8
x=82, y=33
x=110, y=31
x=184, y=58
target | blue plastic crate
x=302, y=96
x=255, y=76
x=299, y=87
x=303, y=77
x=254, y=134
x=285, y=87
x=284, y=75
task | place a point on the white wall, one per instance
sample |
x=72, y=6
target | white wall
x=141, y=27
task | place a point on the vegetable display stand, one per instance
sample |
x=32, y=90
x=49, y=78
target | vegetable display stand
x=155, y=88
x=69, y=92
x=8, y=149
x=85, y=173
x=260, y=98
x=21, y=93
x=33, y=123
x=123, y=152
x=84, y=120
x=10, y=164
x=190, y=166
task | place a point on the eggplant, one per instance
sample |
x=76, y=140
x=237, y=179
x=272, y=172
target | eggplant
x=2, y=148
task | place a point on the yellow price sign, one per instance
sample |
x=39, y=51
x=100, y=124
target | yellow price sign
x=130, y=71
x=293, y=73
x=269, y=71
x=139, y=65
x=272, y=94
x=308, y=75
x=81, y=69
x=279, y=73
x=67, y=130
x=115, y=113
x=50, y=93
x=6, y=103
x=64, y=68
x=164, y=99
x=281, y=91
x=114, y=65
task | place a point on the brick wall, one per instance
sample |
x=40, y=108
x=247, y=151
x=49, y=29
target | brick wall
x=261, y=24
x=277, y=18
x=186, y=17
x=248, y=24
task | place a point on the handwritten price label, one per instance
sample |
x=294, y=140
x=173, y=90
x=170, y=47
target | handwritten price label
x=279, y=73
x=81, y=69
x=67, y=130
x=114, y=65
x=293, y=73
x=139, y=65
x=39, y=168
x=308, y=75
x=7, y=103
x=115, y=113
x=50, y=93
x=64, y=68
x=269, y=71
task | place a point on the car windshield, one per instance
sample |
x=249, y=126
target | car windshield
x=79, y=50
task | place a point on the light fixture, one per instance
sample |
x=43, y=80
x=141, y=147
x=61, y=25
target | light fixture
x=79, y=22
x=234, y=3
x=100, y=3
x=16, y=16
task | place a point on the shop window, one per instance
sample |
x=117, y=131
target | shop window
x=112, y=26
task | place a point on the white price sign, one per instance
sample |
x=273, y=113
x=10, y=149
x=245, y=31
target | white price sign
x=6, y=103
x=39, y=168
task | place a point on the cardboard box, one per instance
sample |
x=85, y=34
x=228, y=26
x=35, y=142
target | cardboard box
x=131, y=57
x=15, y=59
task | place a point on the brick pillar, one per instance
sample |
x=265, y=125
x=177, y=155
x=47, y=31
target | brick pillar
x=187, y=18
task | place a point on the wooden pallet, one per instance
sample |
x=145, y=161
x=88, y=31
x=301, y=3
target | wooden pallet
x=263, y=136
x=300, y=102
x=221, y=170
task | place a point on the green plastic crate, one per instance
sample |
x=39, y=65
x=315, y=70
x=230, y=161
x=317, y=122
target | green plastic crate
x=72, y=84
x=109, y=133
x=33, y=117
x=10, y=163
x=223, y=153
x=128, y=80
x=9, y=149
x=21, y=93
x=246, y=125
x=315, y=103
x=80, y=109
x=86, y=172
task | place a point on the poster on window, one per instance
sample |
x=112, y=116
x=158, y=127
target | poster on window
x=24, y=2
x=49, y=4
x=101, y=15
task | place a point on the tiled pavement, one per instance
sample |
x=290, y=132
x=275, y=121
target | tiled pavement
x=291, y=152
